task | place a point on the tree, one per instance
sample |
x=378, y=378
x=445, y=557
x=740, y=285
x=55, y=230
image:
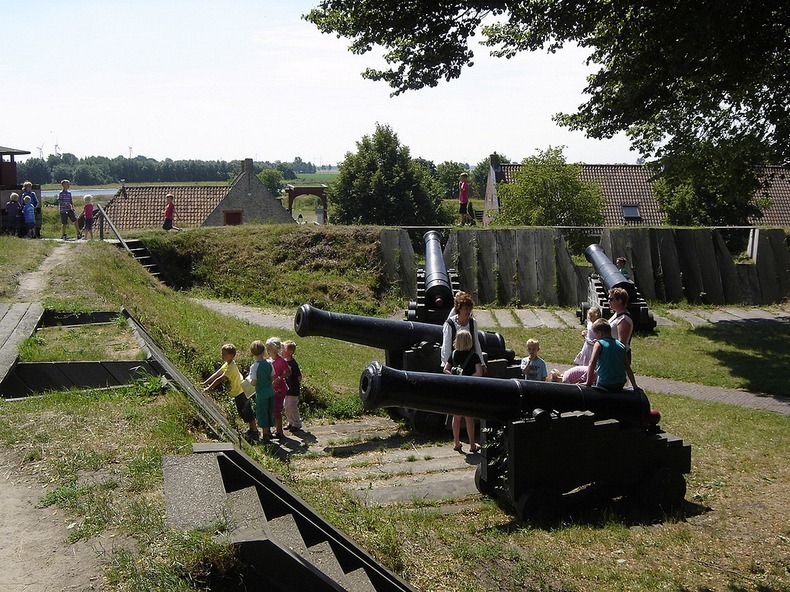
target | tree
x=672, y=74
x=381, y=184
x=286, y=169
x=712, y=185
x=272, y=179
x=547, y=191
x=34, y=170
x=449, y=173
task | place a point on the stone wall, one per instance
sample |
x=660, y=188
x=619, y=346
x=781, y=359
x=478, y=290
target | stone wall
x=532, y=266
x=249, y=196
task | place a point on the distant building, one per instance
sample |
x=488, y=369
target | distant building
x=628, y=194
x=8, y=182
x=246, y=199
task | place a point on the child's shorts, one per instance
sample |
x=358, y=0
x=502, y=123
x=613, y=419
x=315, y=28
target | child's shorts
x=66, y=216
x=244, y=407
x=88, y=223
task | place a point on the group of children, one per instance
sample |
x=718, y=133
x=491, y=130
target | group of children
x=274, y=382
x=603, y=360
x=24, y=213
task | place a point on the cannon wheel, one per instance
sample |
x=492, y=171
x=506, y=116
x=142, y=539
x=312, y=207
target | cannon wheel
x=662, y=489
x=539, y=505
x=482, y=485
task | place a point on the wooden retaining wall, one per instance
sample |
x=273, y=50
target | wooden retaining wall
x=532, y=266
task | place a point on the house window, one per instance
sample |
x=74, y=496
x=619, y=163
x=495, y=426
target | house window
x=631, y=212
x=232, y=217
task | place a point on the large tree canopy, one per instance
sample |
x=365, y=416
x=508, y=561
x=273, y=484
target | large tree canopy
x=672, y=74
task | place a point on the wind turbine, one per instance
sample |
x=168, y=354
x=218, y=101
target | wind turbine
x=41, y=151
x=130, y=151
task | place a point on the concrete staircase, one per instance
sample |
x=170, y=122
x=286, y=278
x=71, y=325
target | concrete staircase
x=287, y=544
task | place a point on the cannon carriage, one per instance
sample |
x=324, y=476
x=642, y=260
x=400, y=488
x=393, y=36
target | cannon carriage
x=606, y=277
x=543, y=440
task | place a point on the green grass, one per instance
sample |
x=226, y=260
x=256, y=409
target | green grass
x=283, y=266
x=18, y=256
x=101, y=451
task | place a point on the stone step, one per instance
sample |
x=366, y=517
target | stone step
x=194, y=492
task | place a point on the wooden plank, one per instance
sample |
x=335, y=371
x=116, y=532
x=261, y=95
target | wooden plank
x=669, y=284
x=567, y=274
x=546, y=266
x=16, y=326
x=750, y=283
x=507, y=256
x=776, y=238
x=711, y=280
x=641, y=262
x=693, y=285
x=526, y=266
x=766, y=269
x=406, y=265
x=486, y=267
x=731, y=285
x=10, y=320
x=467, y=262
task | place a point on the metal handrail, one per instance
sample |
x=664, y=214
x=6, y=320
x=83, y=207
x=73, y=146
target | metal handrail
x=112, y=227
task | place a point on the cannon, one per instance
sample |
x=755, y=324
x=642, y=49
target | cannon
x=436, y=285
x=606, y=277
x=541, y=441
x=407, y=345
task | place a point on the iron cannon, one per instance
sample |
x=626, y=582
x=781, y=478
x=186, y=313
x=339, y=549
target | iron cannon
x=541, y=441
x=606, y=277
x=407, y=345
x=436, y=285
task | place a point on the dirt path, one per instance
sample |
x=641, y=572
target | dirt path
x=35, y=554
x=33, y=286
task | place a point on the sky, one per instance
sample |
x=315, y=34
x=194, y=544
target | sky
x=251, y=79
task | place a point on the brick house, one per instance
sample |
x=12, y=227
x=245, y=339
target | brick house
x=628, y=193
x=244, y=200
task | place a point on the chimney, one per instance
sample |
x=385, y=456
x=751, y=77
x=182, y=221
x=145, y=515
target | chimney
x=249, y=171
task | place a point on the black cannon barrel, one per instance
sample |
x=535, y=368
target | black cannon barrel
x=608, y=272
x=438, y=287
x=497, y=399
x=384, y=334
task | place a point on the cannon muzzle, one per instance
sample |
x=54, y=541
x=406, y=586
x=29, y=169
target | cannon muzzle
x=608, y=272
x=495, y=399
x=386, y=334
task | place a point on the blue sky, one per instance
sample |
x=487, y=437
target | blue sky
x=239, y=79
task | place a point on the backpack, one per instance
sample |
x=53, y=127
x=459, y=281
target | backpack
x=459, y=370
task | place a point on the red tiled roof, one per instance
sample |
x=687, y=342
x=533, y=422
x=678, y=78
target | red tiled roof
x=629, y=185
x=778, y=214
x=141, y=207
